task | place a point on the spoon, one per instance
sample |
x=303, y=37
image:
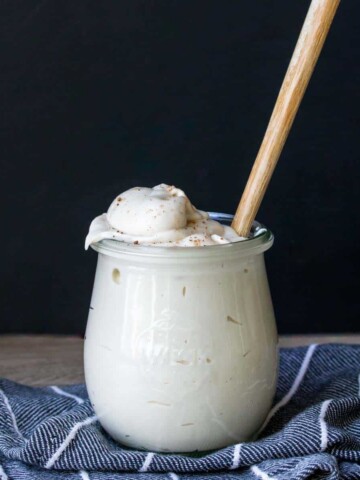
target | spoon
x=311, y=40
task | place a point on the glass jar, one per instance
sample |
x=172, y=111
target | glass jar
x=181, y=343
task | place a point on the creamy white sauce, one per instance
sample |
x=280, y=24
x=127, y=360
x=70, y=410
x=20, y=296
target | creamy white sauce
x=162, y=216
x=180, y=353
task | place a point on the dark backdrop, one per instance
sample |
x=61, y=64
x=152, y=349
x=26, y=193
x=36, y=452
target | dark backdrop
x=97, y=97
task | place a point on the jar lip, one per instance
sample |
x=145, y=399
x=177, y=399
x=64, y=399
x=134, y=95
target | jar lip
x=261, y=240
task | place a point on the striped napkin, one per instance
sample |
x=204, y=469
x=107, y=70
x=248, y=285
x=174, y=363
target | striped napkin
x=312, y=431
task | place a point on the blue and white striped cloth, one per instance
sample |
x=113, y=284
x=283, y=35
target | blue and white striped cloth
x=312, y=431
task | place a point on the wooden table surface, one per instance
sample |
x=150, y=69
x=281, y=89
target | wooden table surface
x=58, y=360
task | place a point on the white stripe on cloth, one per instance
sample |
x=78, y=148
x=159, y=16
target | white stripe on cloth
x=173, y=476
x=147, y=462
x=84, y=475
x=71, y=435
x=60, y=391
x=359, y=385
x=294, y=387
x=236, y=457
x=11, y=413
x=260, y=474
x=323, y=426
x=3, y=475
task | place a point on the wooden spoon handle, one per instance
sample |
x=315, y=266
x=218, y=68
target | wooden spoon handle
x=302, y=63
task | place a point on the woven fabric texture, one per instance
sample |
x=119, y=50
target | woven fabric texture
x=312, y=431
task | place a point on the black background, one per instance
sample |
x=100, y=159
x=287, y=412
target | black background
x=97, y=97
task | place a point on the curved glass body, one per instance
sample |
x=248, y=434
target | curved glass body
x=181, y=343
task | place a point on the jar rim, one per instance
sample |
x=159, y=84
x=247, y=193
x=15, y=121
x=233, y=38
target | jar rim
x=261, y=239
